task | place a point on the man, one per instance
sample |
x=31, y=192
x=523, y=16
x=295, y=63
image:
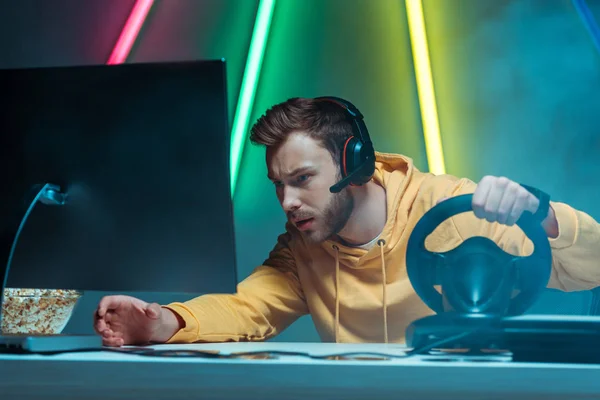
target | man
x=342, y=256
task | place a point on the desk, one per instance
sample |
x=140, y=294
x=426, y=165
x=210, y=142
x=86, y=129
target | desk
x=109, y=375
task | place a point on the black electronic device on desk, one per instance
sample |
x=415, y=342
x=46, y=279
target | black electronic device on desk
x=113, y=178
x=478, y=282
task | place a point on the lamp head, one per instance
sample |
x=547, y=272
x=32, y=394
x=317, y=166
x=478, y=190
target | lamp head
x=52, y=195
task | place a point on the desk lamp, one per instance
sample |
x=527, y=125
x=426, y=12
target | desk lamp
x=50, y=195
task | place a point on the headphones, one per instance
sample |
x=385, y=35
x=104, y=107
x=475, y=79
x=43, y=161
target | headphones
x=358, y=156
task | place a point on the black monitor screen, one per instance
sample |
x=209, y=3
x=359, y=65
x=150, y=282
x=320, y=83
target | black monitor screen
x=142, y=152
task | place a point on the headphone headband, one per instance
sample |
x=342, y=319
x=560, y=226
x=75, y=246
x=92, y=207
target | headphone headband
x=354, y=116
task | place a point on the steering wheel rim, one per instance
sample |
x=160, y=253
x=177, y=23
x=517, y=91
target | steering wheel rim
x=422, y=265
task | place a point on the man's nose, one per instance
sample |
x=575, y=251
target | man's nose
x=290, y=201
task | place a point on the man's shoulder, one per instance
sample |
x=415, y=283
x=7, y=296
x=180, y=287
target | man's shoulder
x=444, y=185
x=289, y=248
x=394, y=161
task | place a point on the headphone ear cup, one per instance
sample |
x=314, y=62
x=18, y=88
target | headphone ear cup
x=349, y=156
x=360, y=162
x=353, y=157
x=357, y=160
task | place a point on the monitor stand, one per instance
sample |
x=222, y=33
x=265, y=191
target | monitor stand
x=529, y=338
x=20, y=344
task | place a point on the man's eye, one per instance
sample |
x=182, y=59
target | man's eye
x=303, y=178
x=277, y=183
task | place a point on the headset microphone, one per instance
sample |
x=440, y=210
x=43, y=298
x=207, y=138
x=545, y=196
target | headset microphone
x=348, y=179
x=340, y=185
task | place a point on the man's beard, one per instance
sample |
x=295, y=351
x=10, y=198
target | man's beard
x=334, y=217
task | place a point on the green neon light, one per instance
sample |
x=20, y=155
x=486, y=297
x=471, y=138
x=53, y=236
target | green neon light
x=245, y=103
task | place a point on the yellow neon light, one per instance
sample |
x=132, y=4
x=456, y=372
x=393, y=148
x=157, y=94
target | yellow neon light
x=429, y=116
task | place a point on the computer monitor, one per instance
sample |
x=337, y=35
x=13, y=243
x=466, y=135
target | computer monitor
x=142, y=151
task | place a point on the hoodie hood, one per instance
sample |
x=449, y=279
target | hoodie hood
x=393, y=172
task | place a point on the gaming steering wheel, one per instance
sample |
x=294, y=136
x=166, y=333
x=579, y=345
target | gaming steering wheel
x=477, y=277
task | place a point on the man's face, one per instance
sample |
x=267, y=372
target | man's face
x=302, y=172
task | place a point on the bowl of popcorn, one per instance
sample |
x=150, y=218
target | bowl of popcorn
x=37, y=311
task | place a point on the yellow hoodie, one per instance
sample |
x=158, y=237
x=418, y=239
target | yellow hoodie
x=360, y=295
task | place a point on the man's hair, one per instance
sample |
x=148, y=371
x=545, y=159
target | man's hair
x=321, y=120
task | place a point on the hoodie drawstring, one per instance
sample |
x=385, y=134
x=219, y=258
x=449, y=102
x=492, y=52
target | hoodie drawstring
x=381, y=243
x=337, y=293
x=336, y=327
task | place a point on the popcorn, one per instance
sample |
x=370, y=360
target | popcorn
x=37, y=311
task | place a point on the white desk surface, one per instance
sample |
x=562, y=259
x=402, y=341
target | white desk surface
x=109, y=375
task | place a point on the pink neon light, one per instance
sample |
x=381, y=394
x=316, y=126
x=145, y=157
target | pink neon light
x=130, y=31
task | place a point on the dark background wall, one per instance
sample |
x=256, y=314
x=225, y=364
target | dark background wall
x=516, y=85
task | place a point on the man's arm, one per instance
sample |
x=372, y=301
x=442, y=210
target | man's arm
x=170, y=324
x=265, y=303
x=574, y=236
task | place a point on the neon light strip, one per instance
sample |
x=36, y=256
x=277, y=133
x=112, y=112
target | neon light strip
x=429, y=116
x=245, y=103
x=130, y=32
x=588, y=20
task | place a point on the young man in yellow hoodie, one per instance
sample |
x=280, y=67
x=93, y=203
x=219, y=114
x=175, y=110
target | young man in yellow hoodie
x=342, y=257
